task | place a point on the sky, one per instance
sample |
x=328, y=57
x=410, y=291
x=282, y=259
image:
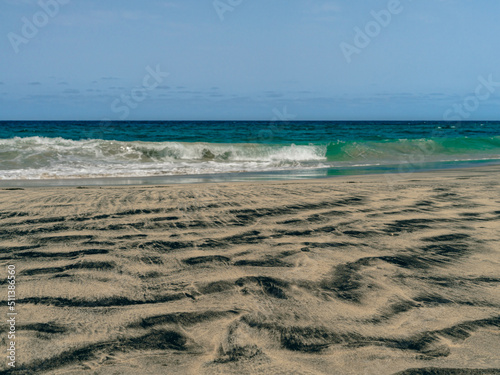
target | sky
x=249, y=60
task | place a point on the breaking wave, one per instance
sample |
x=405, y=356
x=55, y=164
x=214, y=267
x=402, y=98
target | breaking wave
x=41, y=157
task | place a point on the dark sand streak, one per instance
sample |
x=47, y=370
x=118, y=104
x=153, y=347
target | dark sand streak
x=272, y=278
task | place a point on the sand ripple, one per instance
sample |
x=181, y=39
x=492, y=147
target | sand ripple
x=343, y=276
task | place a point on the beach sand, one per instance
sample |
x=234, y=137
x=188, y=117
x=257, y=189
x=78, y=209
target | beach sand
x=350, y=275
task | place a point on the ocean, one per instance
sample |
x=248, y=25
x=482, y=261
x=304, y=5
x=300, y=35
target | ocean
x=191, y=151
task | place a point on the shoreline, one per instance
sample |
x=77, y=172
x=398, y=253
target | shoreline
x=243, y=177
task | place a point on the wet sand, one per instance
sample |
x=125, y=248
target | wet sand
x=349, y=275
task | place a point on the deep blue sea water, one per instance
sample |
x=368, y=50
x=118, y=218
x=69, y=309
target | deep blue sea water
x=60, y=150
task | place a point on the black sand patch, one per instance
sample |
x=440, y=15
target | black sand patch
x=156, y=340
x=447, y=237
x=360, y=234
x=346, y=281
x=165, y=246
x=269, y=262
x=250, y=237
x=394, y=309
x=59, y=255
x=216, y=287
x=131, y=236
x=102, y=302
x=270, y=286
x=183, y=318
x=15, y=249
x=100, y=266
x=448, y=371
x=206, y=259
x=412, y=225
x=64, y=239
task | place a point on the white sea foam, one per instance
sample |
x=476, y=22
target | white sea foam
x=49, y=158
x=43, y=158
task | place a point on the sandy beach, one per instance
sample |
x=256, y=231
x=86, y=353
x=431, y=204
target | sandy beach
x=348, y=275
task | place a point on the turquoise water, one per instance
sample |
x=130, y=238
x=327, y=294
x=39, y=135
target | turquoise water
x=55, y=150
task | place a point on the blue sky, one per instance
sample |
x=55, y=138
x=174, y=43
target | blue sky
x=248, y=59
